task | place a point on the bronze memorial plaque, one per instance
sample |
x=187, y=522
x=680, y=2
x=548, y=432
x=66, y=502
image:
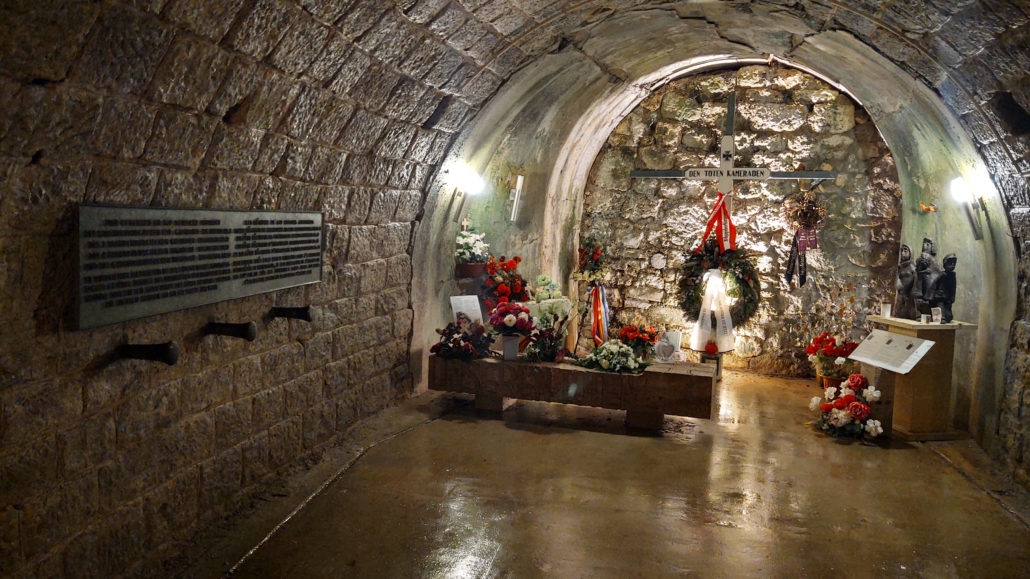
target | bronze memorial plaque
x=138, y=262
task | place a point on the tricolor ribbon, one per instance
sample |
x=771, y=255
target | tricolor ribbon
x=599, y=314
x=722, y=223
x=714, y=302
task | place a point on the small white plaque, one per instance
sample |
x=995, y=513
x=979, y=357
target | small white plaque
x=885, y=310
x=893, y=352
x=466, y=310
x=667, y=348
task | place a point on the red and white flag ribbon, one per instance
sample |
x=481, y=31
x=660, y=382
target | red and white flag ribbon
x=722, y=223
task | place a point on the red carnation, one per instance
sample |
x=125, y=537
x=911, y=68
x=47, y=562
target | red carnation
x=848, y=399
x=711, y=348
x=810, y=350
x=839, y=404
x=826, y=408
x=511, y=265
x=518, y=288
x=502, y=300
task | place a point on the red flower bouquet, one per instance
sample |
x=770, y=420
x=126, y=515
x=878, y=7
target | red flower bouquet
x=830, y=357
x=510, y=319
x=503, y=282
x=845, y=412
x=592, y=260
x=641, y=339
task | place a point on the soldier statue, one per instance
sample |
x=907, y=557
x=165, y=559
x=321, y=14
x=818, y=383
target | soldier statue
x=904, y=305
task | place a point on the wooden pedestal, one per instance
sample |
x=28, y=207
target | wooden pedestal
x=922, y=398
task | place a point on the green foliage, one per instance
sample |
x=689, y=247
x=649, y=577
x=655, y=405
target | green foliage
x=741, y=276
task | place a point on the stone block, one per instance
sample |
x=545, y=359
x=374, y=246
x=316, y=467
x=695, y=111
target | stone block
x=42, y=39
x=373, y=276
x=50, y=518
x=124, y=51
x=208, y=18
x=232, y=190
x=362, y=132
x=124, y=128
x=318, y=424
x=283, y=364
x=191, y=73
x=300, y=45
x=373, y=89
x=179, y=138
x=352, y=70
x=383, y=207
x=325, y=165
x=317, y=350
x=402, y=323
x=836, y=117
x=272, y=101
x=269, y=407
x=170, y=509
x=329, y=127
x=220, y=480
x=234, y=148
x=115, y=183
x=32, y=411
x=255, y=459
x=395, y=239
x=302, y=393
x=232, y=422
x=39, y=198
x=260, y=27
x=152, y=409
x=285, y=442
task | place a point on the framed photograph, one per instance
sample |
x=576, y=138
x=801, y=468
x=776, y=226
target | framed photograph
x=466, y=311
x=935, y=315
x=667, y=347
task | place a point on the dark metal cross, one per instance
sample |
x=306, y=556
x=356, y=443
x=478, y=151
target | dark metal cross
x=726, y=173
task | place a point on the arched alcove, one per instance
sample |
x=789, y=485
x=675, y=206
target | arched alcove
x=551, y=119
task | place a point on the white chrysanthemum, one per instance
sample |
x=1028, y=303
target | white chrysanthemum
x=605, y=364
x=814, y=403
x=509, y=320
x=871, y=394
x=840, y=361
x=844, y=391
x=873, y=428
x=523, y=316
x=830, y=393
x=840, y=418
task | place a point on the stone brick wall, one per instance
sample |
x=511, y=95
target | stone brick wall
x=341, y=105
x=786, y=120
x=108, y=466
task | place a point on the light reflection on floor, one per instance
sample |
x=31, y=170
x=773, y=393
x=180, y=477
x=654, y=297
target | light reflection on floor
x=555, y=491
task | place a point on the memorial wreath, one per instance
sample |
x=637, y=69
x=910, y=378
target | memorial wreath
x=740, y=273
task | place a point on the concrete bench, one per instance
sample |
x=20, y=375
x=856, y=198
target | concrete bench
x=676, y=389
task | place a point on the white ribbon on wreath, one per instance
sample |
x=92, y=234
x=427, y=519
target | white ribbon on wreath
x=714, y=301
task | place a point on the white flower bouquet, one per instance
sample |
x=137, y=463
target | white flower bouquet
x=472, y=248
x=613, y=356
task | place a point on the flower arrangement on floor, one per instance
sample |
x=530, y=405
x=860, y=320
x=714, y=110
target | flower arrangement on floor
x=640, y=339
x=510, y=319
x=463, y=343
x=547, y=342
x=739, y=272
x=593, y=262
x=613, y=356
x=503, y=282
x=830, y=357
x=546, y=288
x=845, y=413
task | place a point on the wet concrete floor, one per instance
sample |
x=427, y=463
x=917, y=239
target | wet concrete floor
x=566, y=492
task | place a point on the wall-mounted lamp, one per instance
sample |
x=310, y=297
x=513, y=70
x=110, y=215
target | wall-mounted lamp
x=465, y=182
x=515, y=195
x=963, y=194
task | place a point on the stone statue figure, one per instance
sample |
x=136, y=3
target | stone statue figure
x=904, y=305
x=927, y=273
x=942, y=295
